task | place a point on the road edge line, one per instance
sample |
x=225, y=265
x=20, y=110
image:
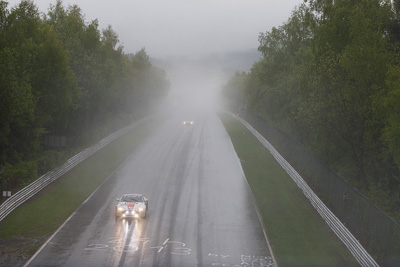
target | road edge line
x=253, y=198
x=64, y=223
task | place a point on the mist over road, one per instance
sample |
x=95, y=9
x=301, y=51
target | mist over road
x=200, y=208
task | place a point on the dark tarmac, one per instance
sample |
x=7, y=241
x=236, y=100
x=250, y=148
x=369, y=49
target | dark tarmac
x=201, y=212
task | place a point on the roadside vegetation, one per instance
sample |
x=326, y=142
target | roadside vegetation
x=64, y=84
x=24, y=230
x=297, y=233
x=330, y=78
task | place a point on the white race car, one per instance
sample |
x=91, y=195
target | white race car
x=132, y=205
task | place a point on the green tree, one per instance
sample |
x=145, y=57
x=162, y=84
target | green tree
x=151, y=81
x=351, y=63
x=235, y=90
x=82, y=41
x=274, y=82
x=54, y=83
x=60, y=75
x=17, y=110
x=329, y=77
x=19, y=132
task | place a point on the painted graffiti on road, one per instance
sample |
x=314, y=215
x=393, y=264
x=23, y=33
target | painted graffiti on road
x=120, y=245
x=180, y=249
x=246, y=260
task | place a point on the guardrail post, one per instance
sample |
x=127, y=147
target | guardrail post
x=2, y=181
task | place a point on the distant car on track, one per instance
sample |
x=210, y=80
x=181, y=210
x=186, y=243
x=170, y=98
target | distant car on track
x=188, y=123
x=132, y=205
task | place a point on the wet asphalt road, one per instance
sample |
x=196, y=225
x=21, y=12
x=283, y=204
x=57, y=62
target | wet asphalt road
x=200, y=208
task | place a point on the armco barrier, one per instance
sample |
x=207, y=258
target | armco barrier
x=24, y=194
x=378, y=233
x=354, y=246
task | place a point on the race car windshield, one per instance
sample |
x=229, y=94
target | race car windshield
x=131, y=198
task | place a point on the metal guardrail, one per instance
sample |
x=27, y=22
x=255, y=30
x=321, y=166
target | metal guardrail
x=354, y=246
x=24, y=194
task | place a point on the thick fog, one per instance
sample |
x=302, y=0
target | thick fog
x=183, y=27
x=199, y=43
x=195, y=86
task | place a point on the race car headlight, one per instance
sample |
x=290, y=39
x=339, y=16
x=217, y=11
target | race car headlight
x=141, y=209
x=120, y=208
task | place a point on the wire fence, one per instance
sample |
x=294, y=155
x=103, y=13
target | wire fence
x=26, y=193
x=378, y=233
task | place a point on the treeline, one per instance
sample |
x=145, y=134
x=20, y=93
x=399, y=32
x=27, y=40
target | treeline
x=63, y=79
x=330, y=78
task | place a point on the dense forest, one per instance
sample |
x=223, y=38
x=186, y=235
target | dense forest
x=330, y=78
x=64, y=84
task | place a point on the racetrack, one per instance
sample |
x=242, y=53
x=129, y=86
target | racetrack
x=201, y=211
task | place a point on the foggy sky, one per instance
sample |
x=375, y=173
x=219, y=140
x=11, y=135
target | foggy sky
x=184, y=27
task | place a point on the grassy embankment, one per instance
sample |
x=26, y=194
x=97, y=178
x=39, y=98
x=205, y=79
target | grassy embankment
x=296, y=232
x=34, y=221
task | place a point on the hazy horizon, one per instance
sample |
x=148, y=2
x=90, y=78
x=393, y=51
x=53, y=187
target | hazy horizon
x=183, y=28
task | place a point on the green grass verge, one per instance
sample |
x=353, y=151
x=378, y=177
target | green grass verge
x=296, y=232
x=38, y=217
